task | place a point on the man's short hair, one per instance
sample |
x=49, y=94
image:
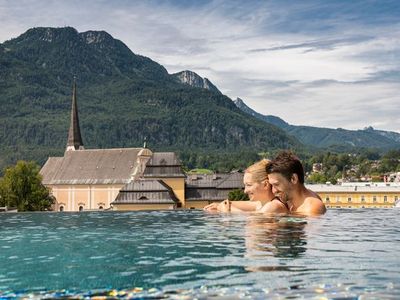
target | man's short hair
x=287, y=164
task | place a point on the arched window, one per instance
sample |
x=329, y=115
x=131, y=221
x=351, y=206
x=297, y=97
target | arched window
x=61, y=208
x=100, y=207
x=143, y=198
x=81, y=208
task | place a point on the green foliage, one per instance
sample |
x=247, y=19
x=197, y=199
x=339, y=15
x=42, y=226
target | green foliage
x=238, y=195
x=200, y=171
x=352, y=166
x=22, y=187
x=123, y=98
x=317, y=178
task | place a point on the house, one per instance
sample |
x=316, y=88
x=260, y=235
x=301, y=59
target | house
x=358, y=194
x=126, y=178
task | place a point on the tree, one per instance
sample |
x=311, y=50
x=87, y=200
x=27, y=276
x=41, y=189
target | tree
x=317, y=178
x=237, y=195
x=22, y=187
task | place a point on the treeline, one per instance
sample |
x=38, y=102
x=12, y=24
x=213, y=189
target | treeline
x=363, y=165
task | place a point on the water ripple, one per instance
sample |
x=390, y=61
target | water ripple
x=346, y=253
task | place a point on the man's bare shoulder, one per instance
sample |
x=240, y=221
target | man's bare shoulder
x=314, y=205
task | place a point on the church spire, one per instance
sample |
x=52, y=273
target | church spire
x=74, y=134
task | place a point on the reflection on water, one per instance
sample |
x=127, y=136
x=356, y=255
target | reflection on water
x=276, y=236
x=345, y=253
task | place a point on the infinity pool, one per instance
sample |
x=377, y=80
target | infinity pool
x=346, y=254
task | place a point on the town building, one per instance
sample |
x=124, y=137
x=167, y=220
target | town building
x=127, y=178
x=358, y=194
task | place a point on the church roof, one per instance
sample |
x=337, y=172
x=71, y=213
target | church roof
x=96, y=166
x=205, y=180
x=215, y=187
x=74, y=135
x=232, y=180
x=146, y=191
x=163, y=164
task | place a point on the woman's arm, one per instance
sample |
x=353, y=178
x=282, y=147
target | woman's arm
x=246, y=205
x=233, y=206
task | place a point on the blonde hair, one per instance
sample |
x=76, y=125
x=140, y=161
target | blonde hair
x=258, y=170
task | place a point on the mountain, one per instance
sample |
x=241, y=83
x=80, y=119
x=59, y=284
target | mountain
x=268, y=119
x=395, y=136
x=194, y=80
x=327, y=137
x=123, y=98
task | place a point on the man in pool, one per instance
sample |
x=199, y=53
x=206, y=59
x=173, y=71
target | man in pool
x=286, y=176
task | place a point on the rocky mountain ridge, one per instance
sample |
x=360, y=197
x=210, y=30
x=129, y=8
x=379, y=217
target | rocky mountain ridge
x=194, y=80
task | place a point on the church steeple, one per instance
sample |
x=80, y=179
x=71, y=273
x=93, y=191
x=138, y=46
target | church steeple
x=74, y=134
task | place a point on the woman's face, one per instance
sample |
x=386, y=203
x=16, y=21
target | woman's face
x=257, y=191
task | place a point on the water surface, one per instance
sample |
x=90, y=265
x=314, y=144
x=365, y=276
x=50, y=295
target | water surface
x=345, y=254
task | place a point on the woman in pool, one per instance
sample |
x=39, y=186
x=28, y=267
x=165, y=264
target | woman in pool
x=257, y=187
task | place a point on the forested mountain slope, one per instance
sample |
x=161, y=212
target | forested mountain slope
x=123, y=98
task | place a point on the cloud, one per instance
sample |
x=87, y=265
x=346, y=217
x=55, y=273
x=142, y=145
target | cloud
x=327, y=44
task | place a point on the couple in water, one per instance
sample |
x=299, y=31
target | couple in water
x=276, y=187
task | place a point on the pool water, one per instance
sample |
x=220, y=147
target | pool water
x=345, y=254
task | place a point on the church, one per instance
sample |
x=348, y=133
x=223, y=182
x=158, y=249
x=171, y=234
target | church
x=127, y=178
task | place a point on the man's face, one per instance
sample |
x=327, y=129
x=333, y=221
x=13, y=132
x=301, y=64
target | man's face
x=281, y=187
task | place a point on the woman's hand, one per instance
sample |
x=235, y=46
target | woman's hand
x=211, y=207
x=225, y=206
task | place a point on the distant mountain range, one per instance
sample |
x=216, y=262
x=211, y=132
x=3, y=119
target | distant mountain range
x=327, y=137
x=312, y=136
x=123, y=98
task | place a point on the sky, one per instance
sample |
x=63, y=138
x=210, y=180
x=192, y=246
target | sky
x=324, y=63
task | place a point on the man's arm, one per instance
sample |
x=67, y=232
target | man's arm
x=273, y=207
